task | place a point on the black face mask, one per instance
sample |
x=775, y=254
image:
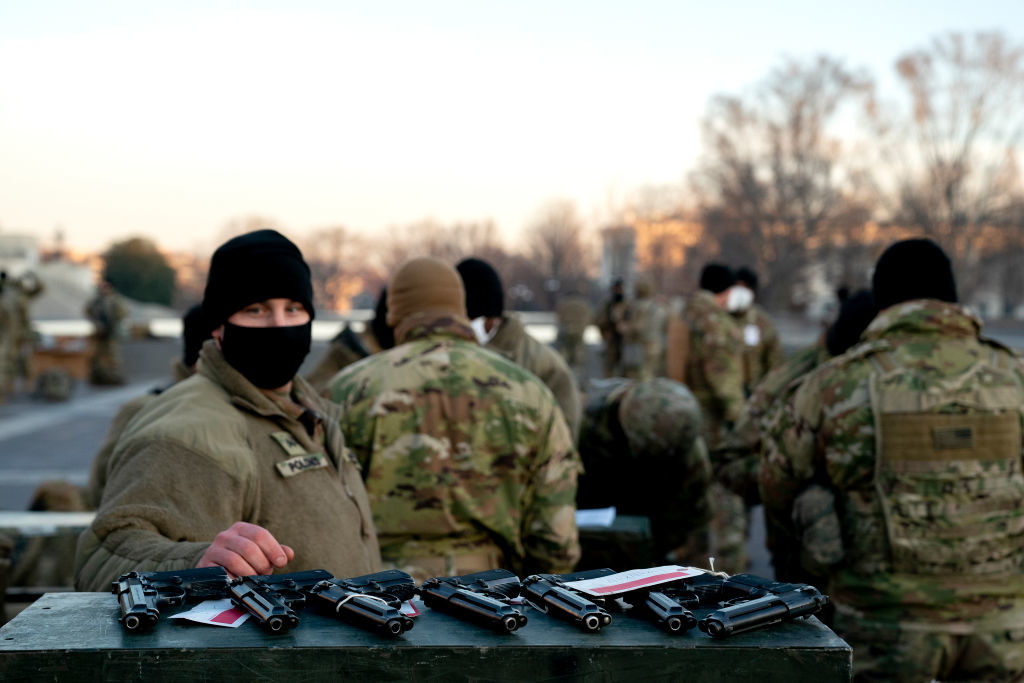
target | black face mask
x=268, y=357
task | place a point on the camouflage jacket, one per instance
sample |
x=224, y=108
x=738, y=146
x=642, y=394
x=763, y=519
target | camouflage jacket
x=642, y=452
x=738, y=458
x=762, y=350
x=461, y=449
x=932, y=522
x=515, y=343
x=714, y=364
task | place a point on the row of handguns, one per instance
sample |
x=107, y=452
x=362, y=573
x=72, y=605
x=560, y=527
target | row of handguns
x=490, y=598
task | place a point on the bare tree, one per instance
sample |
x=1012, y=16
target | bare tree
x=555, y=243
x=953, y=146
x=773, y=181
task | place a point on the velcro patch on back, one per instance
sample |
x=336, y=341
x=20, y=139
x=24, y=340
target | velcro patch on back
x=301, y=463
x=952, y=438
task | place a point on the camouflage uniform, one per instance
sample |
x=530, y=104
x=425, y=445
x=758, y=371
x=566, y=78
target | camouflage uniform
x=643, y=335
x=28, y=288
x=917, y=431
x=574, y=316
x=467, y=459
x=609, y=321
x=642, y=452
x=714, y=373
x=106, y=312
x=762, y=350
x=9, y=333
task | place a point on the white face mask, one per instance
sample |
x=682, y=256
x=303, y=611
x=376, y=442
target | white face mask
x=739, y=299
x=480, y=330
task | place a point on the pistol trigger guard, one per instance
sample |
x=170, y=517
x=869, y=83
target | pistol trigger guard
x=172, y=595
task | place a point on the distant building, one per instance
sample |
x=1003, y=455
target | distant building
x=618, y=256
x=18, y=254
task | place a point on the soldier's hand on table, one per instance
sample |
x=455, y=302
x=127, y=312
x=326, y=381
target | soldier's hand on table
x=245, y=549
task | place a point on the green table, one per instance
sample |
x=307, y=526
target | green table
x=76, y=637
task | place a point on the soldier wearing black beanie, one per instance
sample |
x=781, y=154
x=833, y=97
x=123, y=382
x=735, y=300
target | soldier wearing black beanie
x=716, y=278
x=913, y=269
x=485, y=296
x=256, y=266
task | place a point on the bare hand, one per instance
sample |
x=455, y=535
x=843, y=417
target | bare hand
x=245, y=549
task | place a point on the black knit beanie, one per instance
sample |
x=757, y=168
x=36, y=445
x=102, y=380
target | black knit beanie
x=484, y=294
x=194, y=331
x=255, y=267
x=913, y=269
x=855, y=314
x=716, y=278
x=748, y=277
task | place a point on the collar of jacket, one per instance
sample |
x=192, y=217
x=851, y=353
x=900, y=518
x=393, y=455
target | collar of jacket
x=247, y=395
x=509, y=334
x=432, y=324
x=923, y=317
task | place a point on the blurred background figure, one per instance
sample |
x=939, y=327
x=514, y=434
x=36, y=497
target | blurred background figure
x=643, y=453
x=643, y=333
x=609, y=321
x=714, y=373
x=505, y=333
x=762, y=350
x=574, y=314
x=106, y=312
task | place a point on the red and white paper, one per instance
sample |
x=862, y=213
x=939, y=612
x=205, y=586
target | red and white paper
x=215, y=613
x=623, y=582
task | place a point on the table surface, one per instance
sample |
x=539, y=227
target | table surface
x=83, y=629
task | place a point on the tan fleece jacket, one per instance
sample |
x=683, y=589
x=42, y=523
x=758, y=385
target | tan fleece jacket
x=209, y=452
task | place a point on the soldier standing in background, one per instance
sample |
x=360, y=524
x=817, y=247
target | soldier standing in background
x=609, y=320
x=714, y=373
x=762, y=350
x=917, y=433
x=574, y=316
x=467, y=458
x=506, y=334
x=8, y=333
x=28, y=288
x=643, y=334
x=106, y=312
x=643, y=453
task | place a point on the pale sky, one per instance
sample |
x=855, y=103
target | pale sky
x=169, y=120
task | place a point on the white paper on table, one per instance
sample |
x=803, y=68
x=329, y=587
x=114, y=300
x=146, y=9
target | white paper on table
x=637, y=578
x=409, y=609
x=595, y=517
x=215, y=613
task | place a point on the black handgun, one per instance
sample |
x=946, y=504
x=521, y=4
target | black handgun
x=660, y=607
x=758, y=602
x=370, y=601
x=481, y=598
x=273, y=598
x=546, y=593
x=142, y=594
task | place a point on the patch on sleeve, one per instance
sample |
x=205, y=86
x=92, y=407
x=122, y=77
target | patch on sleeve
x=301, y=463
x=288, y=443
x=952, y=438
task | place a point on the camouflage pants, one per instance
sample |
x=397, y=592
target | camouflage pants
x=106, y=365
x=883, y=651
x=728, y=530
